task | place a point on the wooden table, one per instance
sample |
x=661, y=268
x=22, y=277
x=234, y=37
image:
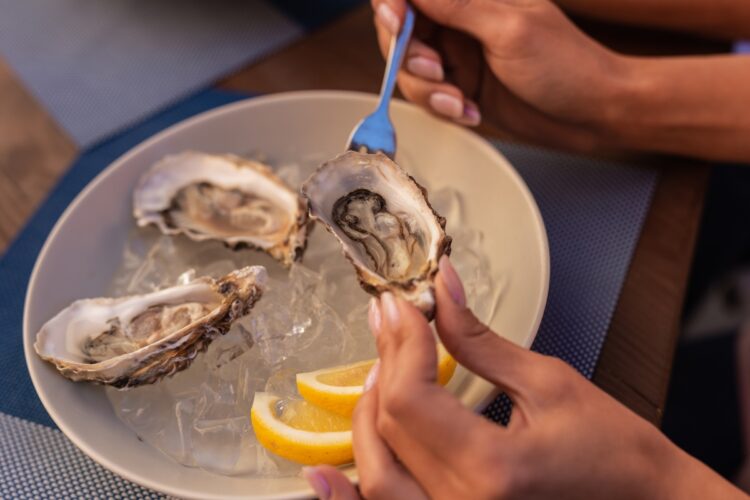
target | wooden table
x=637, y=357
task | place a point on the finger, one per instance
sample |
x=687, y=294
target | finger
x=408, y=395
x=474, y=345
x=390, y=14
x=444, y=99
x=406, y=345
x=330, y=483
x=421, y=49
x=424, y=61
x=380, y=475
x=416, y=51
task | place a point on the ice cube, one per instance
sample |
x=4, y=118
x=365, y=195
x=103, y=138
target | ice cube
x=283, y=382
x=217, y=443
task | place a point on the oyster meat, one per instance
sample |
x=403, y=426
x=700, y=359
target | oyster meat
x=131, y=341
x=384, y=222
x=223, y=197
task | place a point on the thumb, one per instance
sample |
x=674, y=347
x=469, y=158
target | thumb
x=330, y=483
x=475, y=17
x=472, y=343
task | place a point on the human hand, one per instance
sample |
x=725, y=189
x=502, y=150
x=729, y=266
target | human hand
x=566, y=438
x=522, y=63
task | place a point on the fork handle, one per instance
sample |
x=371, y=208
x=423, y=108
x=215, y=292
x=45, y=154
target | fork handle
x=395, y=58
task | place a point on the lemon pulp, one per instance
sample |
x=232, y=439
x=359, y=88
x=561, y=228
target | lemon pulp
x=347, y=377
x=307, y=417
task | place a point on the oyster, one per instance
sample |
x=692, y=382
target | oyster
x=136, y=340
x=384, y=222
x=223, y=197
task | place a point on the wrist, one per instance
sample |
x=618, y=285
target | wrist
x=676, y=474
x=659, y=463
x=622, y=113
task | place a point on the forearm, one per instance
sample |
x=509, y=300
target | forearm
x=726, y=19
x=686, y=478
x=694, y=106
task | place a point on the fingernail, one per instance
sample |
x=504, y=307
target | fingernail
x=416, y=47
x=425, y=68
x=390, y=308
x=373, y=316
x=372, y=376
x=318, y=482
x=452, y=281
x=446, y=104
x=472, y=116
x=389, y=18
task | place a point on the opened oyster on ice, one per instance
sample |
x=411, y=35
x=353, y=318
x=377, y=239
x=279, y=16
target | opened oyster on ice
x=384, y=222
x=136, y=340
x=223, y=197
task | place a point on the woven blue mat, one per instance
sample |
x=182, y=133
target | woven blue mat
x=593, y=211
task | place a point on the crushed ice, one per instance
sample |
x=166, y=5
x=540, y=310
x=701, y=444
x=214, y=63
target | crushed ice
x=309, y=318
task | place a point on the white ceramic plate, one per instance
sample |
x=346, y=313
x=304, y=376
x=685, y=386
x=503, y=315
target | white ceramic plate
x=85, y=248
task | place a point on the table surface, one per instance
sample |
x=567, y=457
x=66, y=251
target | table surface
x=637, y=356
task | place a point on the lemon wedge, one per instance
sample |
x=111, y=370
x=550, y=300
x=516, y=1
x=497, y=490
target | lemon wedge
x=301, y=432
x=338, y=389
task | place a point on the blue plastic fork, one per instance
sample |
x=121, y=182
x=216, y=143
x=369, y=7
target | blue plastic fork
x=375, y=133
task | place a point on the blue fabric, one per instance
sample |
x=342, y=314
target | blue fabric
x=17, y=395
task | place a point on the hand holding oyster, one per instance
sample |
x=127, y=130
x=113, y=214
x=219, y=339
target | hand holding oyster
x=384, y=222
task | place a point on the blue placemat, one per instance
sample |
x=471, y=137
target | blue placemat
x=99, y=66
x=593, y=211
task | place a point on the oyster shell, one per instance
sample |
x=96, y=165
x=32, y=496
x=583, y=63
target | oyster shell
x=131, y=341
x=384, y=222
x=223, y=197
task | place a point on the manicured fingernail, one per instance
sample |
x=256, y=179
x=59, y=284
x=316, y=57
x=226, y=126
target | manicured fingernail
x=389, y=308
x=425, y=68
x=452, y=281
x=472, y=116
x=372, y=376
x=416, y=47
x=373, y=316
x=389, y=18
x=446, y=104
x=318, y=482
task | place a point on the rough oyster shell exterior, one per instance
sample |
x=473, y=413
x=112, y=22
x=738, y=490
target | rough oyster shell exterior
x=66, y=340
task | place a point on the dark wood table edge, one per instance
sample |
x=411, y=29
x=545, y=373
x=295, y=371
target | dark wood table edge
x=636, y=360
